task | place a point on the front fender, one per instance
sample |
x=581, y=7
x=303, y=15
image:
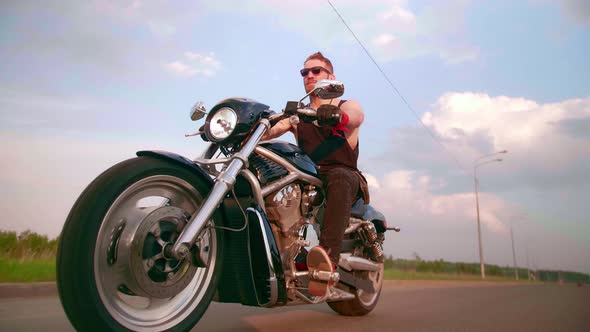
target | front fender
x=178, y=159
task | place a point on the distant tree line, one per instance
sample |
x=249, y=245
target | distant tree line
x=562, y=276
x=27, y=245
x=441, y=266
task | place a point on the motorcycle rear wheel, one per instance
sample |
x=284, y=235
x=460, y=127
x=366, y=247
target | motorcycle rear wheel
x=363, y=302
x=113, y=273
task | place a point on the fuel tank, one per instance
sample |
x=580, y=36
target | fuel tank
x=294, y=155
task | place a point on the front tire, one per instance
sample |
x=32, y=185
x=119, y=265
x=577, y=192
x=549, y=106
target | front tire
x=112, y=270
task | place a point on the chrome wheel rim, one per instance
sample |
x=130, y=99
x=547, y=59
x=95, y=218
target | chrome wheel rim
x=376, y=278
x=141, y=222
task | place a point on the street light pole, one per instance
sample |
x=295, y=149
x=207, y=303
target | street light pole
x=528, y=267
x=513, y=252
x=482, y=266
x=476, y=164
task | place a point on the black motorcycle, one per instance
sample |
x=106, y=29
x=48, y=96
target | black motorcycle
x=154, y=239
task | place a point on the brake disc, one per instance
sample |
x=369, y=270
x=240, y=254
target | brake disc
x=156, y=273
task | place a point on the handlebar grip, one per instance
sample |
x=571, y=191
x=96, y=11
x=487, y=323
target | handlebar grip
x=294, y=120
x=307, y=112
x=274, y=118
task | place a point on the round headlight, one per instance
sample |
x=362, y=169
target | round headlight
x=223, y=123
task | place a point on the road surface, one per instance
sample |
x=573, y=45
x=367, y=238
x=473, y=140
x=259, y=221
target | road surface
x=404, y=306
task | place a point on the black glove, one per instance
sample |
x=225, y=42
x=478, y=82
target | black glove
x=329, y=115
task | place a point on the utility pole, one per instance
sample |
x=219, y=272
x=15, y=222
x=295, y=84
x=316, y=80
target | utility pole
x=476, y=164
x=482, y=265
x=528, y=267
x=513, y=253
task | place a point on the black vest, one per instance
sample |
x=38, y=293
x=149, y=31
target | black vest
x=326, y=149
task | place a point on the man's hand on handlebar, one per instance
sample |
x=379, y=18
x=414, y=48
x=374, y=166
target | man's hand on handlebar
x=329, y=115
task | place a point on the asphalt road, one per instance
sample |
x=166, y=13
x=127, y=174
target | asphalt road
x=404, y=306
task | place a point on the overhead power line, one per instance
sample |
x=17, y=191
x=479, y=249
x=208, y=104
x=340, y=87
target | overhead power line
x=434, y=137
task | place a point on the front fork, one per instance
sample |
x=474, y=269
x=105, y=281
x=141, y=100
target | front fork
x=223, y=183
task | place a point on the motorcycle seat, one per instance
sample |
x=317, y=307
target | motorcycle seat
x=359, y=208
x=367, y=212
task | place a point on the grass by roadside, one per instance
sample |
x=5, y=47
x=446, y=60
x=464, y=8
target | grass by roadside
x=26, y=270
x=394, y=274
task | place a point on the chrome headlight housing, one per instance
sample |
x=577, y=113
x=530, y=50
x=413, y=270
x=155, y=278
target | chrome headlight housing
x=222, y=123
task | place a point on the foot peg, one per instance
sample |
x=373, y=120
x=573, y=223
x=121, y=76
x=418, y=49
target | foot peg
x=330, y=277
x=321, y=271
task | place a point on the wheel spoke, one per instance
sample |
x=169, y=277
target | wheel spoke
x=161, y=242
x=167, y=267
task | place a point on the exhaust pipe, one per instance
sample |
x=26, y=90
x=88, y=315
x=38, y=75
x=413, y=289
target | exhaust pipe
x=349, y=263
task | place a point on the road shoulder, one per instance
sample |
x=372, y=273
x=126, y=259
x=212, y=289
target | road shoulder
x=34, y=289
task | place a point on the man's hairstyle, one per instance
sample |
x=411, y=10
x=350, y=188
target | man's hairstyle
x=321, y=57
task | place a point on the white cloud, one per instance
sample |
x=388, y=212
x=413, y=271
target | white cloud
x=434, y=30
x=408, y=197
x=385, y=40
x=372, y=181
x=545, y=173
x=537, y=134
x=398, y=16
x=205, y=60
x=195, y=64
x=547, y=144
x=180, y=68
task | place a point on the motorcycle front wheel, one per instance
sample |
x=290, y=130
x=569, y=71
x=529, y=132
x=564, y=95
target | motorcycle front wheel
x=114, y=272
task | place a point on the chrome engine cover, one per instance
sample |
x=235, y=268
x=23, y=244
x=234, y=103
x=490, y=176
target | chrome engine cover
x=283, y=208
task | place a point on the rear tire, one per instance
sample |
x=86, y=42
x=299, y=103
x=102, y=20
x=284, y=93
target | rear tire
x=363, y=302
x=109, y=236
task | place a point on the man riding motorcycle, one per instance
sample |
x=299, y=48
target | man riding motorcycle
x=332, y=142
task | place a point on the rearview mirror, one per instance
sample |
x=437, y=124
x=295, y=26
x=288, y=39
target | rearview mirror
x=198, y=111
x=328, y=89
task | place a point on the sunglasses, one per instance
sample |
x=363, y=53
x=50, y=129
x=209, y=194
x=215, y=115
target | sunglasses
x=314, y=70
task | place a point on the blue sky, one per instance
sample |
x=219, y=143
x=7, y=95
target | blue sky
x=86, y=84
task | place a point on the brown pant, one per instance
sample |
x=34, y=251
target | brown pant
x=341, y=187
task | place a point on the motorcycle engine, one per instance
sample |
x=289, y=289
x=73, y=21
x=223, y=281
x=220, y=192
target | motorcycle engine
x=284, y=207
x=289, y=210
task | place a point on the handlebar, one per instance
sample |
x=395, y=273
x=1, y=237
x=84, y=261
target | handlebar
x=307, y=112
x=288, y=112
x=276, y=118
